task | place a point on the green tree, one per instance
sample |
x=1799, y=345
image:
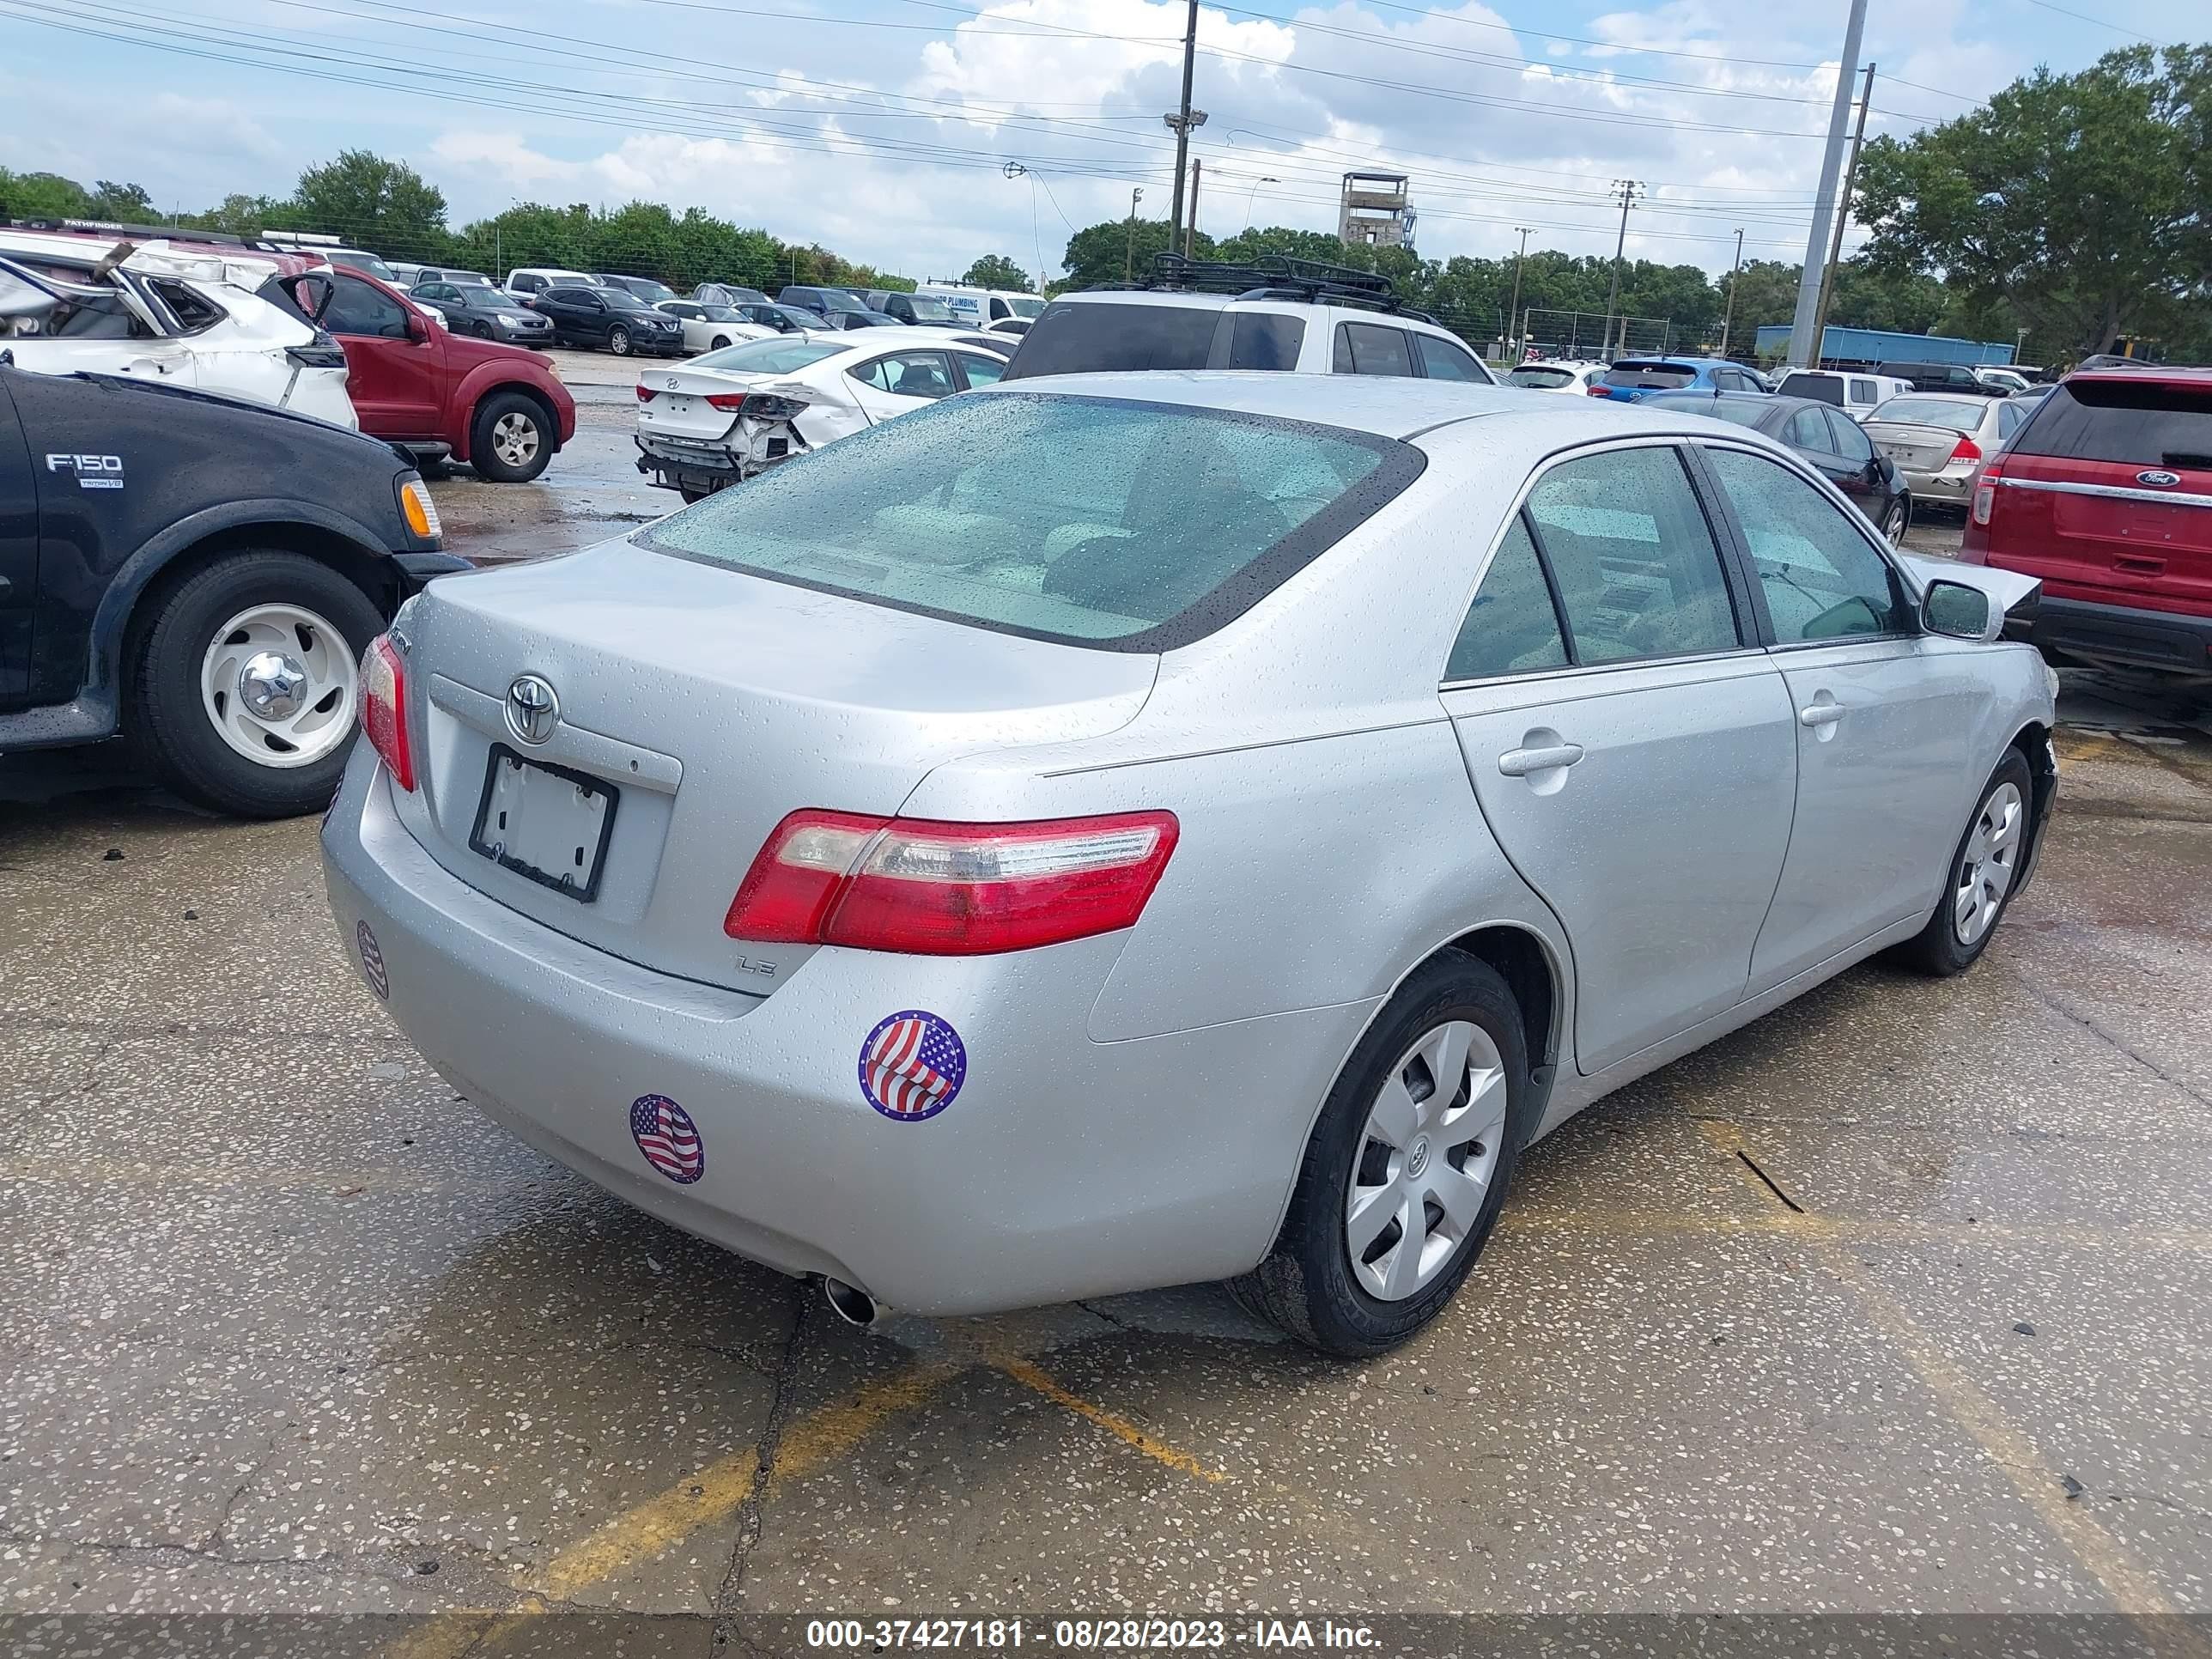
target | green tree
x=128, y=202
x=996, y=270
x=385, y=206
x=42, y=195
x=1101, y=253
x=2074, y=201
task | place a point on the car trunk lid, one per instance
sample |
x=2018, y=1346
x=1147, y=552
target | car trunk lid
x=697, y=707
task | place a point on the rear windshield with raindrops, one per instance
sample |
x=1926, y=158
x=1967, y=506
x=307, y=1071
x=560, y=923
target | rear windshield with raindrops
x=1114, y=523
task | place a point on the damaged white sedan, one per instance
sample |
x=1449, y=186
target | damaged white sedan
x=731, y=415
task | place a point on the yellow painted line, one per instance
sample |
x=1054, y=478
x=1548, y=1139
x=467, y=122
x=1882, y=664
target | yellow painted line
x=1119, y=1427
x=712, y=1495
x=2017, y=1457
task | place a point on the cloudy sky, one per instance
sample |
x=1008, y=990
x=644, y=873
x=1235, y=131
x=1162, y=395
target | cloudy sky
x=883, y=127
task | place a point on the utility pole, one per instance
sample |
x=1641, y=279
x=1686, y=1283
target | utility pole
x=1181, y=122
x=1513, y=309
x=1829, y=273
x=1628, y=189
x=1191, y=229
x=1727, y=317
x=1129, y=253
x=1804, y=337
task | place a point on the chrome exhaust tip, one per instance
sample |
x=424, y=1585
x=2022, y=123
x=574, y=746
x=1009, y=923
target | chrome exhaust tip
x=850, y=1302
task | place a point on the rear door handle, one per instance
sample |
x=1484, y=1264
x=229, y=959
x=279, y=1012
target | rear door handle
x=1520, y=763
x=1820, y=714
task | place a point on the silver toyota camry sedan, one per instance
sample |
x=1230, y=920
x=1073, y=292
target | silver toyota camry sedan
x=1123, y=830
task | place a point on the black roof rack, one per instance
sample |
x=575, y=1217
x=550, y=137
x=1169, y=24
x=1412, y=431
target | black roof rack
x=1276, y=276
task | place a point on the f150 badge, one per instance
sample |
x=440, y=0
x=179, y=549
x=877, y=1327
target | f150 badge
x=93, y=471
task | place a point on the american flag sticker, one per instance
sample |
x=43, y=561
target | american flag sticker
x=372, y=961
x=912, y=1065
x=669, y=1138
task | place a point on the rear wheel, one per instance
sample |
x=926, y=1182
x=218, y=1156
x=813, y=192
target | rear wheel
x=246, y=680
x=1983, y=869
x=619, y=340
x=1408, y=1167
x=510, y=441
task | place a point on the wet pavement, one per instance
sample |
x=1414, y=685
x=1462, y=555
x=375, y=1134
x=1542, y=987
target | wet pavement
x=1897, y=1299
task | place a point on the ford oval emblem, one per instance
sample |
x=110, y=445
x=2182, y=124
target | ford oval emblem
x=532, y=710
x=2162, y=480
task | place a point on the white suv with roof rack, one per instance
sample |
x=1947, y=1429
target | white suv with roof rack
x=1292, y=315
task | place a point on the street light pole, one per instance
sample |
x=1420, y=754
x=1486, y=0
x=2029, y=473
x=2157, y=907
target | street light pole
x=1804, y=341
x=1129, y=253
x=1514, y=310
x=1181, y=122
x=1727, y=317
x=1252, y=192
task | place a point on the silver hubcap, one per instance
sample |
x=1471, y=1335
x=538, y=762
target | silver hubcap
x=515, y=439
x=618, y=342
x=280, y=685
x=1424, y=1159
x=1895, y=529
x=1985, y=872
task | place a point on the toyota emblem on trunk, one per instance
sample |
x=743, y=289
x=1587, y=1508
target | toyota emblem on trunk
x=533, y=710
x=2163, y=480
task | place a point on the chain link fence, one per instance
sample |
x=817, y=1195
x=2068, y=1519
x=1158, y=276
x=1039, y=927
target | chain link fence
x=1592, y=334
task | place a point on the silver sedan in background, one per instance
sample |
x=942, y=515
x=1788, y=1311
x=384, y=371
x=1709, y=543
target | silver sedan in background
x=1150, y=828
x=1940, y=443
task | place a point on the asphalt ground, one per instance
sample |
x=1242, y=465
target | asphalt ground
x=1896, y=1300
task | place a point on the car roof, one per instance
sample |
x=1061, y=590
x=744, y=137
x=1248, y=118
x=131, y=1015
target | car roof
x=2155, y=374
x=1389, y=406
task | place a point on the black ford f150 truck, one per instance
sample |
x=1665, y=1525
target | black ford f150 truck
x=201, y=574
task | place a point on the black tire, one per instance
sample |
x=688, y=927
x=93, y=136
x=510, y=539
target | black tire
x=484, y=438
x=165, y=716
x=721, y=343
x=1896, y=519
x=1306, y=1284
x=619, y=340
x=691, y=493
x=1938, y=948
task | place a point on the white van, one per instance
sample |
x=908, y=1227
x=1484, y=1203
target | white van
x=982, y=307
x=1854, y=393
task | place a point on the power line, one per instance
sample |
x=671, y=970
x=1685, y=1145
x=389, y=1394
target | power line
x=2083, y=18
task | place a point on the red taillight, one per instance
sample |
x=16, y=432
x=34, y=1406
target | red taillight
x=1967, y=449
x=1596, y=392
x=924, y=888
x=645, y=394
x=384, y=708
x=731, y=401
x=1985, y=492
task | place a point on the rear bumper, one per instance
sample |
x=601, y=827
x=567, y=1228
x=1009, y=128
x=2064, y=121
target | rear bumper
x=2162, y=640
x=1062, y=1167
x=1944, y=485
x=705, y=464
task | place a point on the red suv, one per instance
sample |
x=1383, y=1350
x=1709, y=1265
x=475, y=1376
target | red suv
x=2105, y=493
x=441, y=395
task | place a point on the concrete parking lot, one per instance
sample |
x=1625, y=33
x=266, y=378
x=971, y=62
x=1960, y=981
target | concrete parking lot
x=1895, y=1300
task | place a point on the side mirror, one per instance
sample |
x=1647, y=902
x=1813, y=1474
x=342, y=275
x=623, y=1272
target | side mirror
x=418, y=326
x=1959, y=612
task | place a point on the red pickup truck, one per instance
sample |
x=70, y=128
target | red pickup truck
x=439, y=395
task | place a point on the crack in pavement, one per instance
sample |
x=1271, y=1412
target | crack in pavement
x=2060, y=1005
x=750, y=1517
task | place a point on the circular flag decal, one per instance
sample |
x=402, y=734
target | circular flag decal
x=666, y=1135
x=372, y=961
x=912, y=1065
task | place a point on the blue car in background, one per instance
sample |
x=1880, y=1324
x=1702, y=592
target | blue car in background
x=1633, y=379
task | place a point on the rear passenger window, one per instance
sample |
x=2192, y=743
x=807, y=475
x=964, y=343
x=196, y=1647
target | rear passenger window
x=1442, y=360
x=1822, y=580
x=1806, y=431
x=1369, y=349
x=1638, y=573
x=1511, y=628
x=1266, y=339
x=1865, y=392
